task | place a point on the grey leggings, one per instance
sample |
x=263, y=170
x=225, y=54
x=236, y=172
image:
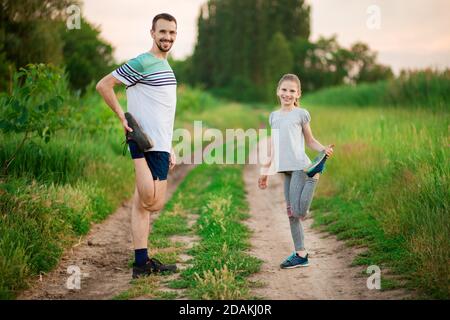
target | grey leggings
x=298, y=192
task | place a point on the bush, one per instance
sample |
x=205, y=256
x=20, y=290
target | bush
x=35, y=107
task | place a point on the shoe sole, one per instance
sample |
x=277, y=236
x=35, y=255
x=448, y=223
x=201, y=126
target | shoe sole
x=297, y=266
x=143, y=275
x=312, y=172
x=311, y=169
x=138, y=129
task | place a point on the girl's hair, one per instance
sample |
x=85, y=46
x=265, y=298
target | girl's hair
x=294, y=78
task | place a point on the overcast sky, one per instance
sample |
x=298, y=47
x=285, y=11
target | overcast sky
x=411, y=33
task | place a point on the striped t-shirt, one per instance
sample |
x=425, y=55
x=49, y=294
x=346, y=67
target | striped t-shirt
x=151, y=96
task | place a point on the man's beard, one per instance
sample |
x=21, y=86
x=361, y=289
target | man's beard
x=162, y=49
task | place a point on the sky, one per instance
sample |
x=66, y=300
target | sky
x=407, y=34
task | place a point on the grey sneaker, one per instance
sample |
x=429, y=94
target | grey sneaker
x=138, y=135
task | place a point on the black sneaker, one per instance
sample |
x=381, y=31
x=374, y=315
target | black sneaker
x=138, y=135
x=159, y=267
x=152, y=266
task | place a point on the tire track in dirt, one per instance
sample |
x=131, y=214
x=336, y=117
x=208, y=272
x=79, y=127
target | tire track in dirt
x=329, y=275
x=102, y=256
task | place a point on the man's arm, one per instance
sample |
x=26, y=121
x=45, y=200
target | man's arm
x=106, y=89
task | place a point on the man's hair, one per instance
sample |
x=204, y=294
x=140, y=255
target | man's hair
x=164, y=16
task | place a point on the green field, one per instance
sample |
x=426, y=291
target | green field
x=387, y=188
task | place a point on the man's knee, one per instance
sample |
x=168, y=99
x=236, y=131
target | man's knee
x=146, y=200
x=156, y=206
x=152, y=203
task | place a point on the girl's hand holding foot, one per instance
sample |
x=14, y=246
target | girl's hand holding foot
x=329, y=150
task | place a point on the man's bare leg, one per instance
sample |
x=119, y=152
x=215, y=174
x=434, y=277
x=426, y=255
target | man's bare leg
x=149, y=196
x=140, y=223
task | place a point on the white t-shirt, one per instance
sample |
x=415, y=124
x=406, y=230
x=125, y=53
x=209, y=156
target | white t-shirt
x=289, y=142
x=151, y=96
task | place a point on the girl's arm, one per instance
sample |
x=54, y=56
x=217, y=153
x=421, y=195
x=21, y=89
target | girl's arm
x=262, y=181
x=268, y=161
x=312, y=143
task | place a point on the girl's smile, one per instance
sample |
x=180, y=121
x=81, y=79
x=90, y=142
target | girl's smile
x=288, y=93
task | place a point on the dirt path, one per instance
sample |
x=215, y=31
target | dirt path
x=102, y=257
x=329, y=275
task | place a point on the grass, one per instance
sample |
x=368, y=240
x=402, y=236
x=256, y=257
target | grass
x=44, y=211
x=428, y=89
x=220, y=263
x=387, y=187
x=54, y=191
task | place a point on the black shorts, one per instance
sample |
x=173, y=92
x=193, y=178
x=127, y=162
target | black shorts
x=157, y=161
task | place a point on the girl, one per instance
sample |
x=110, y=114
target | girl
x=288, y=150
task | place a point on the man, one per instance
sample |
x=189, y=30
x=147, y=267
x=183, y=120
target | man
x=151, y=99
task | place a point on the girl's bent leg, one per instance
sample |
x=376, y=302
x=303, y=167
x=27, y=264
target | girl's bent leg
x=302, y=193
x=307, y=196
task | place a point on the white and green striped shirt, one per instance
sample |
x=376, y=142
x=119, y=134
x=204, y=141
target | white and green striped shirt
x=151, y=96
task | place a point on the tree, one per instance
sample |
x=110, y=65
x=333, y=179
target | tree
x=27, y=30
x=243, y=47
x=364, y=61
x=35, y=32
x=279, y=61
x=86, y=56
x=233, y=39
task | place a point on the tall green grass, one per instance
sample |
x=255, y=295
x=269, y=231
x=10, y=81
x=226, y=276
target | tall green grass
x=54, y=191
x=388, y=187
x=414, y=89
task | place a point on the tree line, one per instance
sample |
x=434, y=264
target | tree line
x=243, y=48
